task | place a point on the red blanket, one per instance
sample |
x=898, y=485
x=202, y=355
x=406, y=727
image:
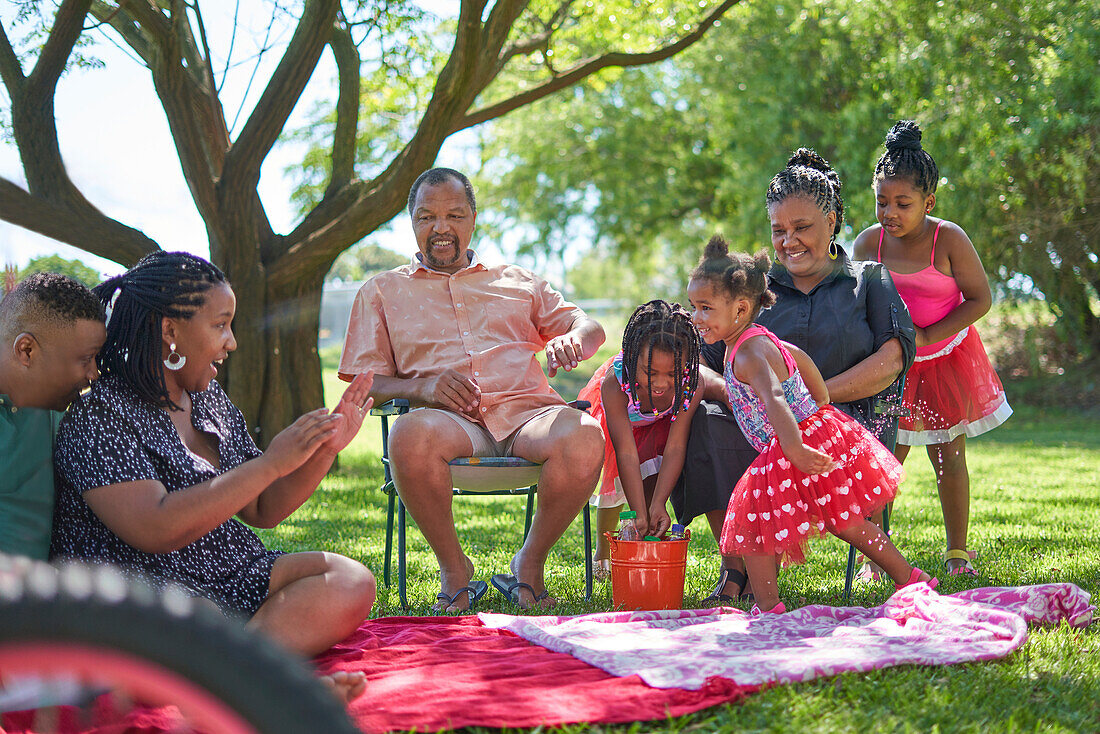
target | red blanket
x=432, y=673
x=447, y=672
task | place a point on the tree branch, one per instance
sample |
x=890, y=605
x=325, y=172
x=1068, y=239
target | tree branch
x=134, y=36
x=539, y=40
x=11, y=71
x=357, y=209
x=347, y=107
x=99, y=235
x=589, y=67
x=67, y=27
x=242, y=164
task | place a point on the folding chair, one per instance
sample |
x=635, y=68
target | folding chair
x=472, y=475
x=888, y=406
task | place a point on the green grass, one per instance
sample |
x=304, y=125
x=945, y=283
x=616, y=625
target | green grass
x=1035, y=511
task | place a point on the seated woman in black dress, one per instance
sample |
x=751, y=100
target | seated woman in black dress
x=154, y=461
x=847, y=315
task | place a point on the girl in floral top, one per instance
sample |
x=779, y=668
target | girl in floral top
x=818, y=469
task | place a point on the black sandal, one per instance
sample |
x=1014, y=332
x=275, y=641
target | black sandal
x=725, y=576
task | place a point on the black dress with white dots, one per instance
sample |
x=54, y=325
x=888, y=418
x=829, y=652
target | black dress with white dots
x=110, y=436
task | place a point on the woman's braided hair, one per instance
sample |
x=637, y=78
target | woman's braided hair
x=162, y=284
x=737, y=274
x=662, y=325
x=808, y=174
x=906, y=158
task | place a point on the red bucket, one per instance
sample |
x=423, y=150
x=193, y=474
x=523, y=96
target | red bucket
x=648, y=574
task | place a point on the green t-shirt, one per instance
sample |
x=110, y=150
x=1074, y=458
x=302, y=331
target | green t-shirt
x=26, y=479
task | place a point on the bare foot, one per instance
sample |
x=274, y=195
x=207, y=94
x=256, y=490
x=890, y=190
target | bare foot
x=532, y=575
x=449, y=586
x=346, y=685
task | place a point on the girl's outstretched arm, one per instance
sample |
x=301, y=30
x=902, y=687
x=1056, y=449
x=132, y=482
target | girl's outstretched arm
x=966, y=269
x=672, y=463
x=756, y=364
x=626, y=451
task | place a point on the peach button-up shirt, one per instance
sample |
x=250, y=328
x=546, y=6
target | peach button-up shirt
x=487, y=323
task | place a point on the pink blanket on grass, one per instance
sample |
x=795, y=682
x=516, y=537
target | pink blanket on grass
x=916, y=626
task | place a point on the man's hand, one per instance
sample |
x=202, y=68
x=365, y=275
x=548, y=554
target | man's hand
x=453, y=391
x=563, y=352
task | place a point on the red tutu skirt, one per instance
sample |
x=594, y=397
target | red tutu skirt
x=952, y=392
x=649, y=439
x=775, y=508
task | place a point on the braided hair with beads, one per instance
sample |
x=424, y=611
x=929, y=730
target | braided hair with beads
x=808, y=174
x=906, y=158
x=667, y=326
x=161, y=285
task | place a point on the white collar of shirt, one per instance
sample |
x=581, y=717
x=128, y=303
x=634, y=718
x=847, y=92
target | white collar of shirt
x=418, y=264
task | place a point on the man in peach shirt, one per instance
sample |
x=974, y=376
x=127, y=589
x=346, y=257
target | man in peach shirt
x=458, y=339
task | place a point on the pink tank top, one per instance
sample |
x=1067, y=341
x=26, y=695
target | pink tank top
x=929, y=294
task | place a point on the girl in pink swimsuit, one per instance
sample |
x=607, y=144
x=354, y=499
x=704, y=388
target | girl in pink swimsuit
x=951, y=390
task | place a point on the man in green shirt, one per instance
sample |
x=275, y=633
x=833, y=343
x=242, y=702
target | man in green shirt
x=51, y=328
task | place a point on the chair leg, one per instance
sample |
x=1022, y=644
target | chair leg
x=401, y=553
x=587, y=553
x=532, y=490
x=849, y=574
x=389, y=536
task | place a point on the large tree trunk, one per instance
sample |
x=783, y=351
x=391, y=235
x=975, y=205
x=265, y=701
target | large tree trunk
x=275, y=374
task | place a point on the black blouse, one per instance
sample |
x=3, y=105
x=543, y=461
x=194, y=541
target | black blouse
x=110, y=436
x=846, y=318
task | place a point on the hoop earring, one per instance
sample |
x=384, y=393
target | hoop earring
x=175, y=360
x=834, y=251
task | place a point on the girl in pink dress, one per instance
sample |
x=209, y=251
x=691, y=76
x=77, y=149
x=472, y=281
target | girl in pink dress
x=951, y=390
x=644, y=397
x=818, y=469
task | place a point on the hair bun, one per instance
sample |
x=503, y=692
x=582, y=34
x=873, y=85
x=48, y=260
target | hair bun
x=762, y=261
x=904, y=135
x=717, y=247
x=809, y=158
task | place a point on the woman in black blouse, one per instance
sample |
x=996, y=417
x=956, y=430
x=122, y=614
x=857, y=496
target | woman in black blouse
x=845, y=314
x=155, y=462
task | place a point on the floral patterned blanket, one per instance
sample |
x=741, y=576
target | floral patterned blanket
x=916, y=626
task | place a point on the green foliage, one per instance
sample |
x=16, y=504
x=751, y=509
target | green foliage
x=1033, y=521
x=75, y=269
x=359, y=263
x=660, y=157
x=407, y=47
x=403, y=47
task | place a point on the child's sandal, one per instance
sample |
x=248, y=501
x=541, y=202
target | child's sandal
x=868, y=572
x=966, y=556
x=779, y=608
x=914, y=578
x=718, y=597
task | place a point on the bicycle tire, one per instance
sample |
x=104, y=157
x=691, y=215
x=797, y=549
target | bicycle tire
x=161, y=648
